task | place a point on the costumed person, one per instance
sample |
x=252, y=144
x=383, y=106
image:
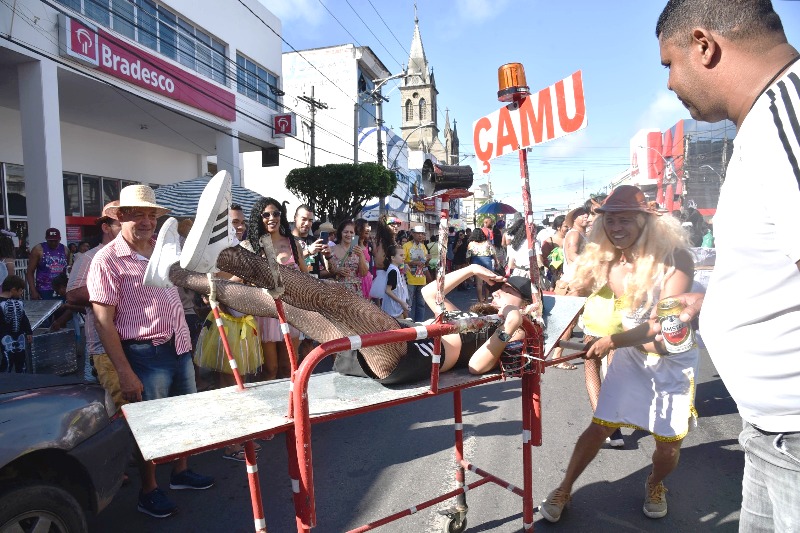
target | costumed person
x=326, y=311
x=15, y=328
x=268, y=218
x=636, y=259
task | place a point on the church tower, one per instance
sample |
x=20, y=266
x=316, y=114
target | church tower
x=418, y=100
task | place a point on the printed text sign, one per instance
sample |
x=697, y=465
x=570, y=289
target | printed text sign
x=551, y=113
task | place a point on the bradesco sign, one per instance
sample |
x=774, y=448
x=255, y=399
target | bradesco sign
x=96, y=48
x=551, y=113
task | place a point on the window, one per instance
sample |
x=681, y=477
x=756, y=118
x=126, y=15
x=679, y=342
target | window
x=92, y=199
x=15, y=190
x=97, y=10
x=72, y=195
x=123, y=20
x=423, y=109
x=255, y=82
x=186, y=45
x=111, y=190
x=160, y=29
x=409, y=110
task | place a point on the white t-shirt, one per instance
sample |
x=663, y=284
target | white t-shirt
x=750, y=319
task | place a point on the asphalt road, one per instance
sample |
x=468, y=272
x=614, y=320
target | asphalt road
x=374, y=464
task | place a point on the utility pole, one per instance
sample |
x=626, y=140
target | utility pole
x=314, y=105
x=355, y=133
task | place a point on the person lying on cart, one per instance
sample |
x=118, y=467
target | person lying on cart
x=325, y=311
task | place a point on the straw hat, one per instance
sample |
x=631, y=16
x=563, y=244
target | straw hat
x=137, y=196
x=327, y=226
x=626, y=198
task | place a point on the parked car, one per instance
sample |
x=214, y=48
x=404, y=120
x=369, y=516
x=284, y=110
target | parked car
x=62, y=454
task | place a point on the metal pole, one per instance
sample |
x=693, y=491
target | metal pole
x=313, y=125
x=355, y=133
x=379, y=123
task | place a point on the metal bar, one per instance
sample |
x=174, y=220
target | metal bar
x=419, y=507
x=527, y=460
x=294, y=477
x=492, y=478
x=231, y=361
x=533, y=267
x=461, y=500
x=255, y=487
x=287, y=340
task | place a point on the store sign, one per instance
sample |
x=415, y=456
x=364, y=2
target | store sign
x=284, y=124
x=551, y=113
x=98, y=49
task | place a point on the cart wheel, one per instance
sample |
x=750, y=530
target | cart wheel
x=455, y=524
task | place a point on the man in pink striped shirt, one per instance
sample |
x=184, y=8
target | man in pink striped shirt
x=143, y=330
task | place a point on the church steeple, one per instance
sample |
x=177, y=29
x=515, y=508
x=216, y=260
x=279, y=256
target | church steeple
x=417, y=62
x=418, y=96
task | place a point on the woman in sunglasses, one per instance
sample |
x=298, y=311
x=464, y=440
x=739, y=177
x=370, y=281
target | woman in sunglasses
x=268, y=217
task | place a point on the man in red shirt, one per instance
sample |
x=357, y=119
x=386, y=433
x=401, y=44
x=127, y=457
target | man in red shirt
x=143, y=330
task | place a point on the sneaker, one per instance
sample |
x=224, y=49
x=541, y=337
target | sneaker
x=190, y=480
x=616, y=440
x=166, y=253
x=155, y=503
x=212, y=231
x=554, y=505
x=655, y=500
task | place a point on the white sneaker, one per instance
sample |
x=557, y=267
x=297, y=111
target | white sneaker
x=212, y=231
x=166, y=253
x=616, y=440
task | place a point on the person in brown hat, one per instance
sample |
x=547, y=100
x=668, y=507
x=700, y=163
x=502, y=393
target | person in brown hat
x=634, y=259
x=143, y=330
x=47, y=260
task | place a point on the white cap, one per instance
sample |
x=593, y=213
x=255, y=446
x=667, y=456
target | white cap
x=418, y=229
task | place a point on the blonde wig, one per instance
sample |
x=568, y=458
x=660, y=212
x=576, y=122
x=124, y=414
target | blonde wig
x=652, y=256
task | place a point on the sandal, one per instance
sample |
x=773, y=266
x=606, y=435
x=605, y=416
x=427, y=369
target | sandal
x=566, y=366
x=235, y=456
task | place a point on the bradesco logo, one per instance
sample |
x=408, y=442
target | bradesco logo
x=133, y=69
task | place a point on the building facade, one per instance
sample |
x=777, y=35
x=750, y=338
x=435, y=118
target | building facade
x=99, y=94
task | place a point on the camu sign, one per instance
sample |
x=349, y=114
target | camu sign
x=551, y=113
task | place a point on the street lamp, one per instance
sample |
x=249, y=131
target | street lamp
x=378, y=99
x=670, y=177
x=721, y=179
x=405, y=142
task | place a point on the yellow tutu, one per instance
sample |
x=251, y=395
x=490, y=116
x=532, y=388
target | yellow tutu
x=243, y=339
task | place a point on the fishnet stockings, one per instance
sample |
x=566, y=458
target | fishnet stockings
x=347, y=312
x=592, y=374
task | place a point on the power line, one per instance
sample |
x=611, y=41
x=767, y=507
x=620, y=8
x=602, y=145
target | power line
x=340, y=22
x=373, y=33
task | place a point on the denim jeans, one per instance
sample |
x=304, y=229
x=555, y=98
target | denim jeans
x=416, y=303
x=163, y=373
x=771, y=483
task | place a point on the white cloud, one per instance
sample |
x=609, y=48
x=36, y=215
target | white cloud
x=308, y=12
x=480, y=10
x=663, y=112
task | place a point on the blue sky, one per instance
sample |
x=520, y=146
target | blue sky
x=465, y=41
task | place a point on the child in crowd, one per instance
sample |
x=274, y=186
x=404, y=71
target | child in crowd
x=15, y=328
x=396, y=302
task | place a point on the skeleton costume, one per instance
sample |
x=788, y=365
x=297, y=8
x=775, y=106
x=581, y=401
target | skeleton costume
x=14, y=328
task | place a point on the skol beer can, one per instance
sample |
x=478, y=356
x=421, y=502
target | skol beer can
x=678, y=336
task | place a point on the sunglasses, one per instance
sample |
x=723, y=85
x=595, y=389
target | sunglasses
x=266, y=215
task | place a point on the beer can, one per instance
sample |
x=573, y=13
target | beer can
x=678, y=335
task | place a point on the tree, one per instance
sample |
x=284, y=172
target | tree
x=337, y=192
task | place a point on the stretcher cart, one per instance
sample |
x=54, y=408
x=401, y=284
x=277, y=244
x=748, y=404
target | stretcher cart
x=174, y=427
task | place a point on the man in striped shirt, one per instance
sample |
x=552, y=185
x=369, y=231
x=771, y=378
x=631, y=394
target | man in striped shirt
x=143, y=330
